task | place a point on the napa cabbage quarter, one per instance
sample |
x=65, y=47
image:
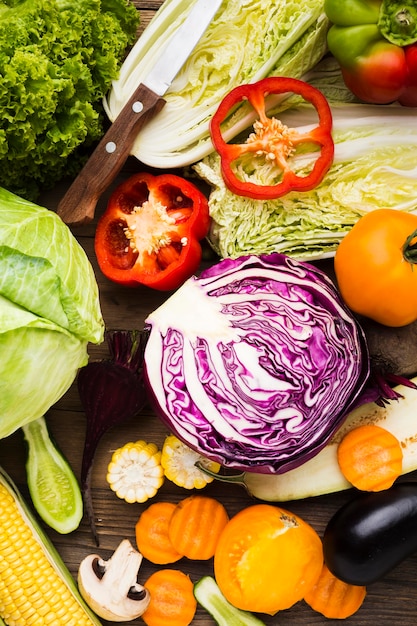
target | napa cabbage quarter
x=49, y=310
x=57, y=60
x=374, y=167
x=247, y=40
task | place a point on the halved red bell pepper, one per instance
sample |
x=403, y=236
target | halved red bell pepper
x=151, y=230
x=272, y=141
x=374, y=42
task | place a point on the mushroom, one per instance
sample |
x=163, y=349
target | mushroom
x=111, y=588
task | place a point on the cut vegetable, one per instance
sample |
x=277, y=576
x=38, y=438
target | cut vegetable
x=208, y=594
x=334, y=598
x=370, y=457
x=111, y=587
x=53, y=487
x=172, y=599
x=322, y=474
x=152, y=536
x=196, y=526
x=135, y=472
x=266, y=559
x=262, y=368
x=51, y=596
x=245, y=41
x=180, y=464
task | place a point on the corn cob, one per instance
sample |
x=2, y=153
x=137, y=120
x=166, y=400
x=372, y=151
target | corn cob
x=35, y=585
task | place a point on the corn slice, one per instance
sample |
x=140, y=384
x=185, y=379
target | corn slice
x=135, y=473
x=179, y=463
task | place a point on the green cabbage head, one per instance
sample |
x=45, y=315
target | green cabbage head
x=49, y=310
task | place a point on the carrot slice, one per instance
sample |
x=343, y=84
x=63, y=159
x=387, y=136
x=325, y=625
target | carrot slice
x=196, y=525
x=370, y=457
x=152, y=537
x=172, y=600
x=334, y=598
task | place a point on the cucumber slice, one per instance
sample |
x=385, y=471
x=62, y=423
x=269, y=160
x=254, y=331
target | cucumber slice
x=53, y=487
x=208, y=594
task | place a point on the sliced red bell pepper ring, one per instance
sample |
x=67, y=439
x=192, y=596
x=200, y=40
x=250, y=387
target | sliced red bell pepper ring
x=151, y=230
x=274, y=140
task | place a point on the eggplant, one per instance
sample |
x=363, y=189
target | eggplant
x=371, y=534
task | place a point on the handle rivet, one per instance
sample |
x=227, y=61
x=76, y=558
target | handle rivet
x=111, y=147
x=137, y=107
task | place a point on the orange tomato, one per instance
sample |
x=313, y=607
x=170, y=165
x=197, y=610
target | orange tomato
x=375, y=270
x=267, y=559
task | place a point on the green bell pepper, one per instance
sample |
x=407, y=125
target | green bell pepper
x=374, y=42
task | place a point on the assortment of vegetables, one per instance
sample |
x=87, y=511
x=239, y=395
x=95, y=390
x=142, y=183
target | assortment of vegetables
x=257, y=364
x=375, y=267
x=373, y=168
x=322, y=473
x=245, y=42
x=149, y=234
x=375, y=44
x=266, y=341
x=272, y=146
x=57, y=61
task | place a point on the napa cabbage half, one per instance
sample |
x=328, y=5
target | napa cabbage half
x=49, y=310
x=374, y=167
x=246, y=41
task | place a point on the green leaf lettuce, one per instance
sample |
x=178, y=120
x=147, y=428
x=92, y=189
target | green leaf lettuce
x=57, y=60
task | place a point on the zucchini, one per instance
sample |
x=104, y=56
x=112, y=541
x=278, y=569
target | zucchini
x=321, y=474
x=208, y=594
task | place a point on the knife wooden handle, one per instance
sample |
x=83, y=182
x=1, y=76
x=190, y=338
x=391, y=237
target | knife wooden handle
x=78, y=204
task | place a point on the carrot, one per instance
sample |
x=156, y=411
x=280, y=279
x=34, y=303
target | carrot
x=370, y=457
x=172, y=600
x=152, y=537
x=334, y=598
x=196, y=525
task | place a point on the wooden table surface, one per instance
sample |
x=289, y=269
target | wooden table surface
x=391, y=601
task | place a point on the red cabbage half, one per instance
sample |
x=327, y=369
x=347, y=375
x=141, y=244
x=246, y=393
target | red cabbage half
x=255, y=363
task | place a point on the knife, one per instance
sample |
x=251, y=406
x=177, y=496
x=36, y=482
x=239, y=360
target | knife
x=79, y=202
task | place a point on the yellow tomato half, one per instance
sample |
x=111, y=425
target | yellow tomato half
x=267, y=559
x=375, y=267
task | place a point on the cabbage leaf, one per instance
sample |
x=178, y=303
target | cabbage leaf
x=49, y=310
x=246, y=41
x=374, y=167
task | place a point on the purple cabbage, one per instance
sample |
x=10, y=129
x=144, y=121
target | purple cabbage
x=255, y=363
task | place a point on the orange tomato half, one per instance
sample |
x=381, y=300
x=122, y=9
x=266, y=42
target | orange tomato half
x=267, y=559
x=375, y=267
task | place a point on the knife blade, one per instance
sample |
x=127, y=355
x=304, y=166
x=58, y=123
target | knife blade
x=78, y=204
